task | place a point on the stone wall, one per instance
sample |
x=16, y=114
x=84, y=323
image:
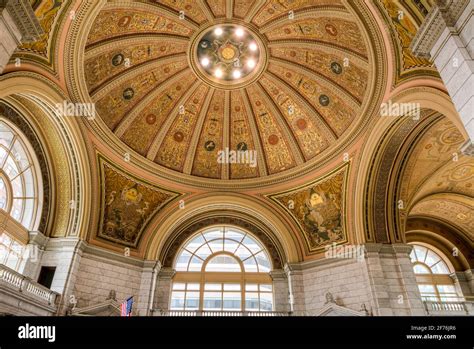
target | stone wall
x=447, y=37
x=97, y=276
x=346, y=280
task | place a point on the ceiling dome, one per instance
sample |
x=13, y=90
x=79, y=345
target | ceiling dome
x=191, y=85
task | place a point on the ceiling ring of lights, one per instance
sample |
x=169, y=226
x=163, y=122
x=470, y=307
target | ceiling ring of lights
x=228, y=55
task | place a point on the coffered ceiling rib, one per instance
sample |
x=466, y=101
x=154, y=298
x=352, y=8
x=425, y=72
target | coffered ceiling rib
x=320, y=121
x=119, y=42
x=308, y=13
x=285, y=127
x=124, y=124
x=226, y=133
x=355, y=57
x=256, y=138
x=229, y=9
x=188, y=162
x=155, y=145
x=206, y=9
x=105, y=87
x=253, y=11
x=318, y=76
x=169, y=12
x=285, y=15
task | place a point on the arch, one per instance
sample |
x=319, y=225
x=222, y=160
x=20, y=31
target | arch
x=66, y=150
x=443, y=237
x=429, y=94
x=432, y=270
x=221, y=208
x=20, y=176
x=222, y=268
x=169, y=255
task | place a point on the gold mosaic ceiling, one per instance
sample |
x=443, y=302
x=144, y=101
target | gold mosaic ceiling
x=309, y=92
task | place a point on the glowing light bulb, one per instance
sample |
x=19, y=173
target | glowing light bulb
x=239, y=32
x=253, y=46
x=205, y=62
x=218, y=73
x=251, y=63
x=236, y=74
x=218, y=31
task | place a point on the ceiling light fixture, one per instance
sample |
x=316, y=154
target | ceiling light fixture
x=253, y=46
x=251, y=63
x=218, y=73
x=239, y=32
x=205, y=62
x=218, y=31
x=236, y=74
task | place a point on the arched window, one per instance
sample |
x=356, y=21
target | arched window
x=222, y=269
x=432, y=275
x=18, y=179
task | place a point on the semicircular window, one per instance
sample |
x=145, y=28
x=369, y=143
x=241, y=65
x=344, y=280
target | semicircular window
x=222, y=269
x=18, y=177
x=433, y=275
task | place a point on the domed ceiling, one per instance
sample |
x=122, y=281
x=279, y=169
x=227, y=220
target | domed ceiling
x=180, y=81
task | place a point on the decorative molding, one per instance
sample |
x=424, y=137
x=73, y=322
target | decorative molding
x=333, y=309
x=468, y=148
x=185, y=233
x=127, y=204
x=25, y=19
x=315, y=233
x=444, y=15
x=25, y=127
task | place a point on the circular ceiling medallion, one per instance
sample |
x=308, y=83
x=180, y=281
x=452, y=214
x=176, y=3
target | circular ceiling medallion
x=228, y=55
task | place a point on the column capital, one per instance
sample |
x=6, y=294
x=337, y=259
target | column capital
x=37, y=238
x=24, y=18
x=278, y=275
x=166, y=273
x=443, y=15
x=468, y=148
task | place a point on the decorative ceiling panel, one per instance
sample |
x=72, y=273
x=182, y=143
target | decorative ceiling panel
x=319, y=209
x=193, y=85
x=433, y=150
x=127, y=204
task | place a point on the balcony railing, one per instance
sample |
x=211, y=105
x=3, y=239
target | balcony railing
x=208, y=313
x=448, y=308
x=22, y=284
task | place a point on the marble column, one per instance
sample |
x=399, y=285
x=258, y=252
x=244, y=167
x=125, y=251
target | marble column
x=18, y=24
x=393, y=280
x=447, y=38
x=281, y=297
x=163, y=290
x=464, y=281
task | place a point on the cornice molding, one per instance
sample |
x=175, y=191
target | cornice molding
x=24, y=18
x=444, y=15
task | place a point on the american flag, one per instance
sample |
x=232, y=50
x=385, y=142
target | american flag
x=126, y=307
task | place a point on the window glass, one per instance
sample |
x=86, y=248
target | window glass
x=12, y=253
x=223, y=263
x=433, y=278
x=3, y=194
x=228, y=254
x=17, y=182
